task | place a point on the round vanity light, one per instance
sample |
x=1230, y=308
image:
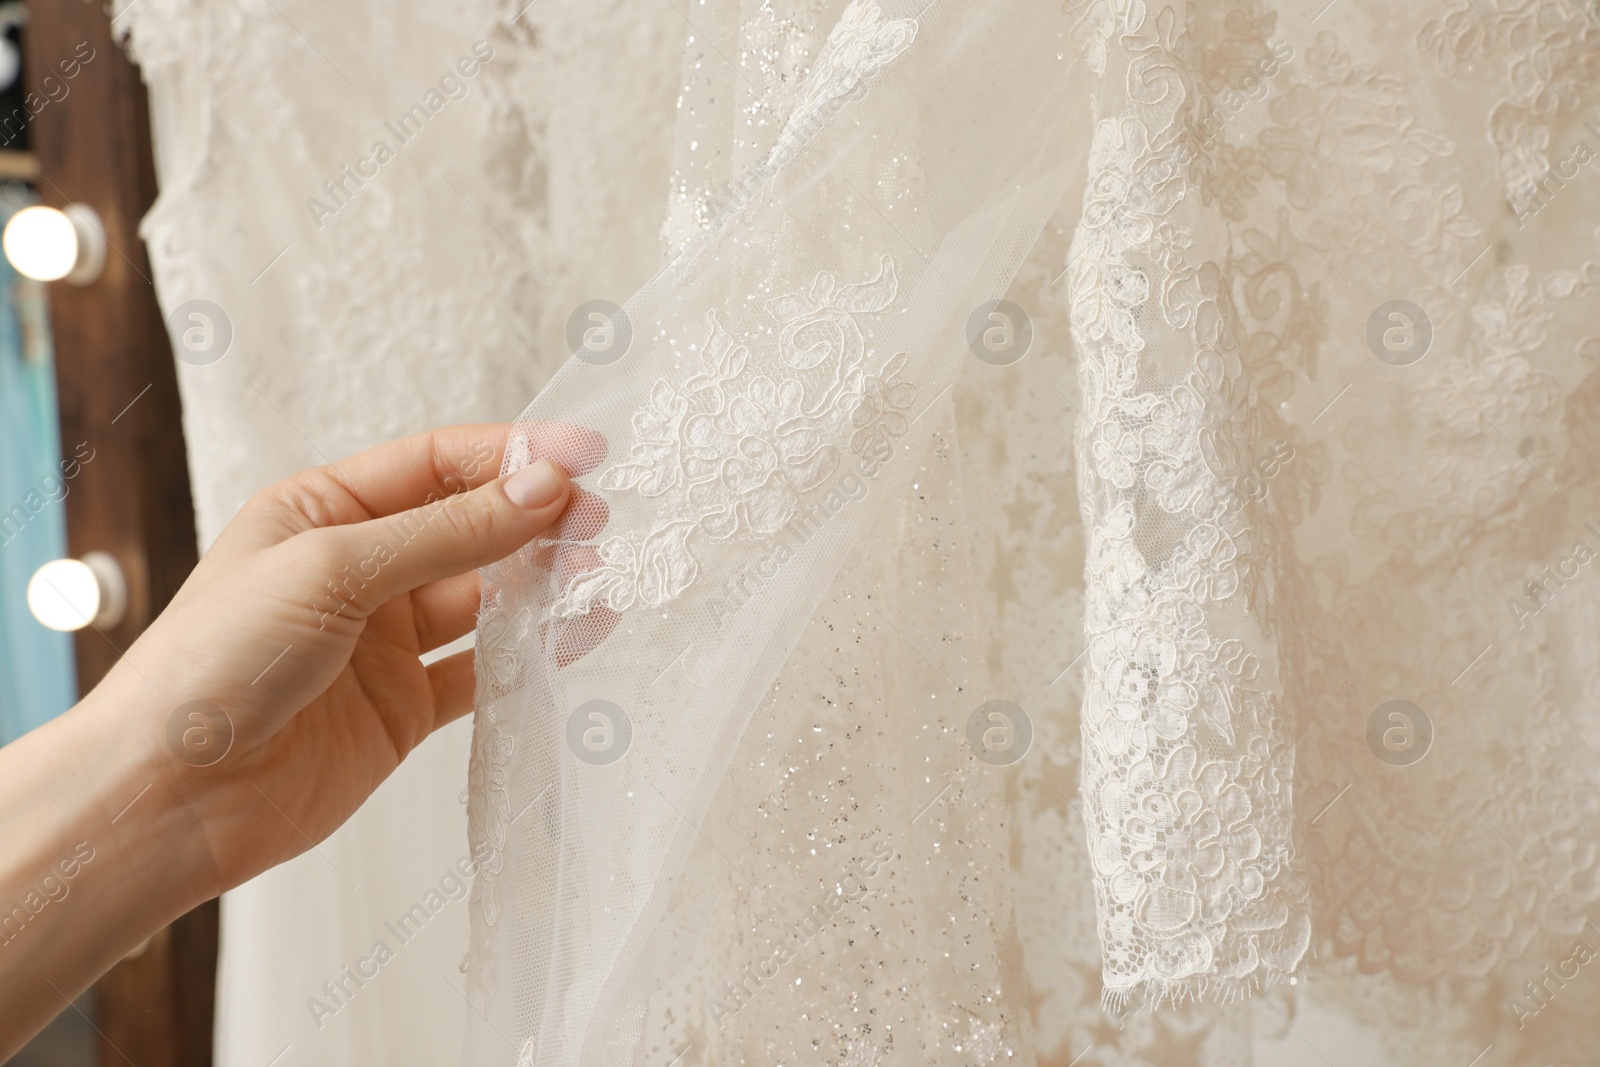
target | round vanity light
x=49, y=244
x=69, y=594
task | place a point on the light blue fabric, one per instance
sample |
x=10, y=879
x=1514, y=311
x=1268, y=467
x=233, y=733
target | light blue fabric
x=36, y=664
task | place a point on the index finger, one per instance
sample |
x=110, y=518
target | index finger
x=577, y=449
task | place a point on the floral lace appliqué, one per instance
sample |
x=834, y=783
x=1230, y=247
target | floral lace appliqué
x=733, y=452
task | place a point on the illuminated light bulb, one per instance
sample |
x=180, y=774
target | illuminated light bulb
x=70, y=594
x=46, y=244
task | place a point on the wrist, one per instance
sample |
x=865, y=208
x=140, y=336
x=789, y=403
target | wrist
x=101, y=851
x=145, y=795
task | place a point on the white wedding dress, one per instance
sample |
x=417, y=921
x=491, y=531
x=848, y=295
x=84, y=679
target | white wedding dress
x=1260, y=507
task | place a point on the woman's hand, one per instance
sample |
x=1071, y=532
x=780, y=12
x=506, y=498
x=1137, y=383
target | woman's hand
x=273, y=695
x=285, y=673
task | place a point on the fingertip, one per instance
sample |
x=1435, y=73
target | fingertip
x=538, y=485
x=577, y=449
x=453, y=681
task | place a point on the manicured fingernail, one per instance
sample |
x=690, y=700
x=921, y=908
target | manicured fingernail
x=534, y=486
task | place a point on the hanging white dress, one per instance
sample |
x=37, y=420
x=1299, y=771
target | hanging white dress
x=1089, y=559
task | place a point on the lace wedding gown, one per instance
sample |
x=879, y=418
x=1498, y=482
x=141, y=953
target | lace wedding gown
x=1185, y=661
